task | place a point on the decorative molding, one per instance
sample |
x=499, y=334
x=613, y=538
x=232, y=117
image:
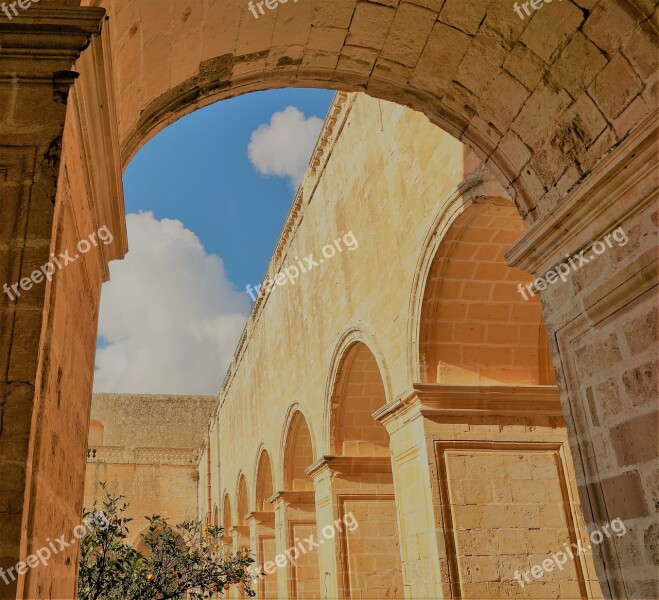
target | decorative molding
x=620, y=186
x=438, y=400
x=42, y=41
x=623, y=287
x=325, y=140
x=93, y=109
x=448, y=528
x=138, y=456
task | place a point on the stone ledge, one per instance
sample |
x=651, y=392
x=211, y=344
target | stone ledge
x=141, y=456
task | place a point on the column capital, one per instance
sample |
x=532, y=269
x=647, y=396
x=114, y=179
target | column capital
x=240, y=530
x=351, y=465
x=43, y=41
x=261, y=517
x=284, y=497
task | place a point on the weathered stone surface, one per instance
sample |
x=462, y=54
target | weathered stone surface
x=146, y=448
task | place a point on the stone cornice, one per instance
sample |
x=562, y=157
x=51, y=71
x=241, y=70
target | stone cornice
x=326, y=139
x=618, y=187
x=437, y=400
x=43, y=40
x=351, y=465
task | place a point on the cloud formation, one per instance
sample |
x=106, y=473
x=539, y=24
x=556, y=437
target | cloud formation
x=170, y=319
x=283, y=147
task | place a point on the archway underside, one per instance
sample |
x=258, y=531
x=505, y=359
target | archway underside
x=541, y=98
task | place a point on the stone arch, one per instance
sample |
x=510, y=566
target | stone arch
x=358, y=391
x=96, y=433
x=359, y=463
x=264, y=482
x=478, y=70
x=297, y=453
x=242, y=500
x=352, y=336
x=227, y=517
x=478, y=187
x=475, y=327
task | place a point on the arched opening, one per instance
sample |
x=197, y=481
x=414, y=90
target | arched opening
x=227, y=520
x=358, y=393
x=298, y=455
x=242, y=509
x=264, y=485
x=299, y=507
x=264, y=523
x=361, y=481
x=479, y=324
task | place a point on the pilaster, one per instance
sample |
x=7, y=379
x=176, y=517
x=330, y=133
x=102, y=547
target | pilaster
x=37, y=54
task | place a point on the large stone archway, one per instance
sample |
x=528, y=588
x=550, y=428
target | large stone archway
x=539, y=98
x=560, y=106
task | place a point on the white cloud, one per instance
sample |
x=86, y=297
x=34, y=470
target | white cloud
x=169, y=315
x=283, y=147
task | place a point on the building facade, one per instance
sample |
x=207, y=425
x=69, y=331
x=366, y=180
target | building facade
x=146, y=448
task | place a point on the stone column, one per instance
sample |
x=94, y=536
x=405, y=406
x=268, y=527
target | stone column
x=329, y=554
x=362, y=554
x=295, y=519
x=263, y=545
x=602, y=328
x=485, y=490
x=424, y=563
x=49, y=202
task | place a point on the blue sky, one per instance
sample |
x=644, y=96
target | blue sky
x=205, y=200
x=197, y=171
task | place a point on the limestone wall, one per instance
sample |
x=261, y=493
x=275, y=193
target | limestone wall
x=146, y=448
x=375, y=169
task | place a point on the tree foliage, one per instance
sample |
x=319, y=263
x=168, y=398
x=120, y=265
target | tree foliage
x=188, y=560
